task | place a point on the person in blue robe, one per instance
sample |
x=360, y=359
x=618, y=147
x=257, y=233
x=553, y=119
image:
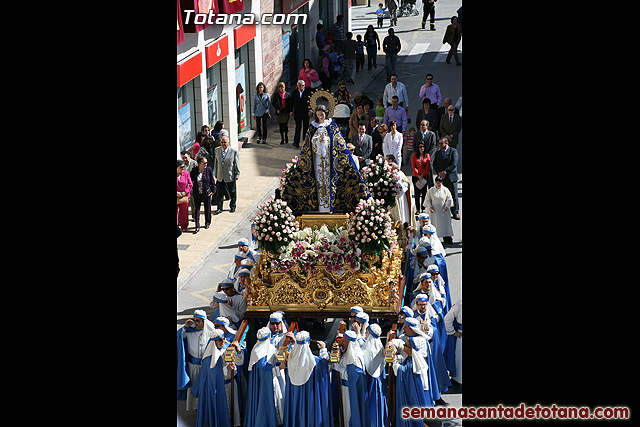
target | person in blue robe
x=346, y=186
x=193, y=338
x=353, y=381
x=306, y=396
x=243, y=245
x=423, y=219
x=244, y=279
x=427, y=285
x=435, y=355
x=376, y=399
x=184, y=382
x=414, y=269
x=359, y=325
x=453, y=353
x=263, y=393
x=439, y=253
x=223, y=324
x=412, y=382
x=209, y=386
x=219, y=300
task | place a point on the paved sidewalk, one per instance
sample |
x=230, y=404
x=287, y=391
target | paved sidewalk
x=260, y=170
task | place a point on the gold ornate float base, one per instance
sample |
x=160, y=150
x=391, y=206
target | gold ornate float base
x=318, y=220
x=375, y=290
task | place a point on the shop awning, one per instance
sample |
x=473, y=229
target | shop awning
x=189, y=68
x=243, y=34
x=216, y=51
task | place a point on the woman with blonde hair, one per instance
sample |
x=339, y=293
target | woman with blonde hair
x=281, y=101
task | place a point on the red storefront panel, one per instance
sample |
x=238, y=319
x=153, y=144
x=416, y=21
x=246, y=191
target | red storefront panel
x=216, y=51
x=243, y=34
x=189, y=68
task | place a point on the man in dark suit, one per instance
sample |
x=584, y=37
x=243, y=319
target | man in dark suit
x=301, y=112
x=227, y=169
x=425, y=136
x=376, y=138
x=203, y=189
x=439, y=112
x=363, y=144
x=450, y=126
x=445, y=164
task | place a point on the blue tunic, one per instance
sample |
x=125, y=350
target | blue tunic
x=184, y=382
x=308, y=405
x=357, y=389
x=409, y=393
x=346, y=184
x=377, y=400
x=212, y=400
x=261, y=408
x=450, y=349
x=442, y=269
x=439, y=377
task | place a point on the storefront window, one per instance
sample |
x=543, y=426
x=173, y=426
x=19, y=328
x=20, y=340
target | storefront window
x=186, y=114
x=244, y=93
x=214, y=93
x=298, y=49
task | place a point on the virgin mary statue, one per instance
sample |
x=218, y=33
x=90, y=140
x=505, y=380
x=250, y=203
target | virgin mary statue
x=325, y=178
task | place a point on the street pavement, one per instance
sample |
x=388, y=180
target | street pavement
x=205, y=257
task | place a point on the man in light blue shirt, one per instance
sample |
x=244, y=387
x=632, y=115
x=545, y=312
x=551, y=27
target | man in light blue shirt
x=396, y=113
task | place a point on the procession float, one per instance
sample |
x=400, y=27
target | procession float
x=331, y=238
x=334, y=238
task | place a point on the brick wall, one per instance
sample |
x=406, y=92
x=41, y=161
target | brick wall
x=271, y=48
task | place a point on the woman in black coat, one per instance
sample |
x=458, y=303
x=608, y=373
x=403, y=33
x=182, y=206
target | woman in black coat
x=279, y=98
x=204, y=186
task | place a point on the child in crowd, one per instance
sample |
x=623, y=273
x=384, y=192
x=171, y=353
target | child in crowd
x=408, y=142
x=379, y=110
x=352, y=148
x=359, y=53
x=380, y=14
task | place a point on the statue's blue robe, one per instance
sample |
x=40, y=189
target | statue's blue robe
x=347, y=186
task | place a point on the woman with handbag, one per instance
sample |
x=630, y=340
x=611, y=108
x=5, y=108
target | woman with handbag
x=184, y=190
x=281, y=101
x=309, y=75
x=204, y=186
x=261, y=106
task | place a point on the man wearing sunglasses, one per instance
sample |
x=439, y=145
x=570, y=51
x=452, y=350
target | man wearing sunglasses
x=450, y=125
x=277, y=327
x=445, y=164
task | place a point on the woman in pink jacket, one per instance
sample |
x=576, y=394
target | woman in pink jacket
x=184, y=189
x=308, y=74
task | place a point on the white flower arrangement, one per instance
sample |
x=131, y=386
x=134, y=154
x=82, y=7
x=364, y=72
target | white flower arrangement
x=382, y=180
x=275, y=225
x=370, y=226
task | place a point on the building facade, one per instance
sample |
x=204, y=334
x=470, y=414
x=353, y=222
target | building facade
x=219, y=66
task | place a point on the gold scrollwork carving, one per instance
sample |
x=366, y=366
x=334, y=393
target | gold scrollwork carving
x=375, y=288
